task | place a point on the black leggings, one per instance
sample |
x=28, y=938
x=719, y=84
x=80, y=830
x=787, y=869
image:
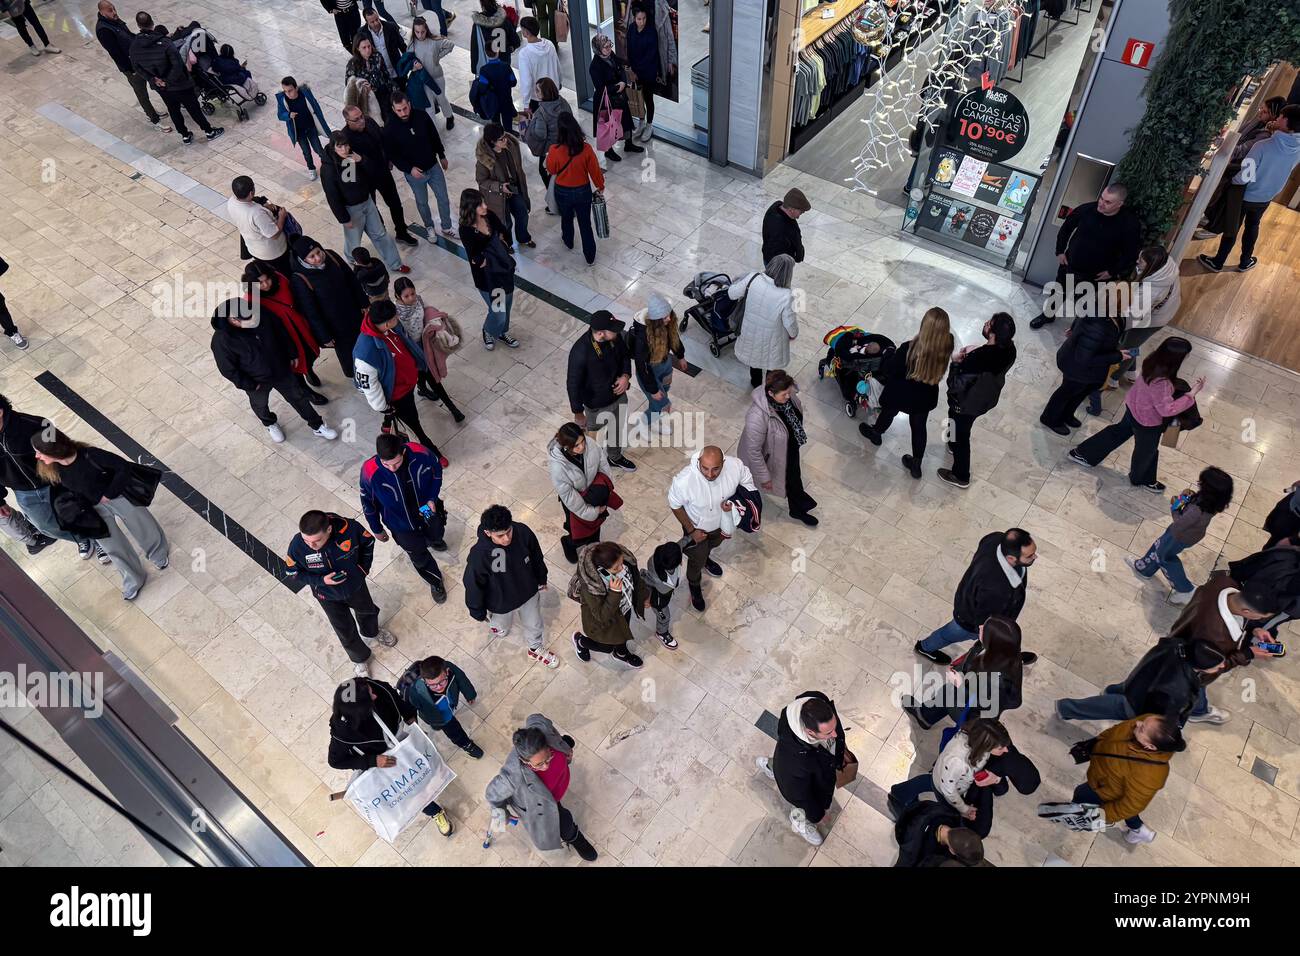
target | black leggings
x=438, y=393
x=190, y=100
x=917, y=421
x=29, y=15
x=404, y=410
x=647, y=94
x=1016, y=770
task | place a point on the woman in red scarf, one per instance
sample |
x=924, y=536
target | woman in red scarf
x=276, y=297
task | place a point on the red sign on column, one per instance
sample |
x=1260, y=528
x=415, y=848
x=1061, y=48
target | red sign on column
x=1137, y=52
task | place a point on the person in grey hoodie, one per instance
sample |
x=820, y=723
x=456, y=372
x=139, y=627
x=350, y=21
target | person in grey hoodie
x=544, y=125
x=532, y=782
x=662, y=574
x=1263, y=173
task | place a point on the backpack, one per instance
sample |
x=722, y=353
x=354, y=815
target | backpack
x=407, y=680
x=483, y=98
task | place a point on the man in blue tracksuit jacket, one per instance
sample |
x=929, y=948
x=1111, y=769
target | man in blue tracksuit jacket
x=333, y=554
x=398, y=486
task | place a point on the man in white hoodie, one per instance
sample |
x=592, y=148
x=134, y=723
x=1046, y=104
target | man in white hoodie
x=537, y=58
x=698, y=498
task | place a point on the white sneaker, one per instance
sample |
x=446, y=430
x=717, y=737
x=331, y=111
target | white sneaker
x=1181, y=598
x=329, y=434
x=311, y=174
x=800, y=825
x=161, y=127
x=33, y=51
x=1143, y=834
x=765, y=764
x=449, y=234
x=276, y=433
x=386, y=638
x=18, y=340
x=362, y=669
x=1133, y=566
x=1200, y=234
x=544, y=657
x=52, y=49
x=1212, y=716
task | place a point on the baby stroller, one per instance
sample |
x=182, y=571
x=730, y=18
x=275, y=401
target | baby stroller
x=712, y=310
x=853, y=356
x=198, y=47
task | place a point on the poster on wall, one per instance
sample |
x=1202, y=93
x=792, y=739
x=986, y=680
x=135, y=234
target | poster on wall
x=993, y=184
x=1003, y=237
x=980, y=227
x=652, y=49
x=946, y=164
x=968, y=176
x=1015, y=196
x=991, y=125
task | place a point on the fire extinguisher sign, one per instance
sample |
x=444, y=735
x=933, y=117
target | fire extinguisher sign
x=1138, y=52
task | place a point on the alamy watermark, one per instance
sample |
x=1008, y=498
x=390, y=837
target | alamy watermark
x=74, y=690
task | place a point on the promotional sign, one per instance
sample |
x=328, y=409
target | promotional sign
x=1137, y=52
x=990, y=125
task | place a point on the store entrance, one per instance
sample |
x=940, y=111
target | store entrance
x=922, y=66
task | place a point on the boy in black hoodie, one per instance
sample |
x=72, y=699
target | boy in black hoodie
x=505, y=573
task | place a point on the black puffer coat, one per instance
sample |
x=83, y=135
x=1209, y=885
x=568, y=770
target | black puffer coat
x=154, y=56
x=805, y=773
x=1091, y=348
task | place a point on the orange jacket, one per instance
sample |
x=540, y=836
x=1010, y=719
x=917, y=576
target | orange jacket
x=584, y=168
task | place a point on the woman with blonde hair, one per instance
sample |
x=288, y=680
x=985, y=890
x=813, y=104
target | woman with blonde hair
x=656, y=349
x=119, y=491
x=911, y=375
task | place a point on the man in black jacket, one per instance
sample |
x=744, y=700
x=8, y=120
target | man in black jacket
x=931, y=833
x=810, y=751
x=600, y=368
x=1098, y=241
x=994, y=583
x=1167, y=680
x=18, y=473
x=155, y=57
x=975, y=383
x=334, y=555
x=251, y=354
x=781, y=229
x=367, y=140
x=116, y=37
x=328, y=293
x=414, y=146
x=505, y=573
x=387, y=39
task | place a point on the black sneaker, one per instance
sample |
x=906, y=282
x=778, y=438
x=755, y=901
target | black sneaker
x=451, y=121
x=622, y=461
x=807, y=519
x=1073, y=422
x=85, y=549
x=1209, y=263
x=632, y=148
x=214, y=132
x=713, y=568
x=584, y=655
x=406, y=239
x=668, y=641
x=439, y=594
x=628, y=658
x=473, y=749
x=316, y=398
x=1059, y=429
x=1247, y=264
x=912, y=711
x=1027, y=658
x=439, y=545
x=912, y=467
x=187, y=138
x=1155, y=487
x=697, y=597
x=946, y=475
x=1078, y=459
x=585, y=849
x=509, y=340
x=938, y=657
x=612, y=156
x=39, y=544
x=1038, y=321
x=869, y=433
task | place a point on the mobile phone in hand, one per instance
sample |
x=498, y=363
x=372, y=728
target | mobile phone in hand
x=1272, y=647
x=981, y=776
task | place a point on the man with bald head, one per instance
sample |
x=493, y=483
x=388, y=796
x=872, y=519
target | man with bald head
x=698, y=497
x=367, y=138
x=115, y=36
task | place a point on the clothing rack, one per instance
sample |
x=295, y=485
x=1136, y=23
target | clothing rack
x=1040, y=40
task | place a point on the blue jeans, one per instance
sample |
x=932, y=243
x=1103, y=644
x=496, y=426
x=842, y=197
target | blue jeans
x=497, y=323
x=435, y=7
x=950, y=633
x=308, y=142
x=1083, y=793
x=664, y=373
x=1202, y=705
x=1110, y=704
x=372, y=225
x=420, y=189
x=1163, y=556
x=909, y=791
x=575, y=203
x=517, y=212
x=36, y=505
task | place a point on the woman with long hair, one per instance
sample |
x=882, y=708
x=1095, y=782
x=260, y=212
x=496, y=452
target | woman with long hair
x=582, y=478
x=656, y=349
x=487, y=246
x=983, y=682
x=544, y=126
x=1193, y=511
x=911, y=376
x=610, y=589
x=492, y=34
x=769, y=443
x=1154, y=397
x=499, y=171
x=111, y=485
x=429, y=49
x=578, y=180
x=770, y=322
x=439, y=336
x=366, y=69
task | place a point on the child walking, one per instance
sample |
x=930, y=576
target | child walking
x=662, y=574
x=1192, y=511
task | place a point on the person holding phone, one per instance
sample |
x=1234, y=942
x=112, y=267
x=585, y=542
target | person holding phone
x=334, y=554
x=356, y=740
x=399, y=490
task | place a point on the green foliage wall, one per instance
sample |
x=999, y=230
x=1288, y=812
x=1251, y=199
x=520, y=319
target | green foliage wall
x=1211, y=45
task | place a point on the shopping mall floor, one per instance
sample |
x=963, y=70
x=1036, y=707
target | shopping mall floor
x=665, y=768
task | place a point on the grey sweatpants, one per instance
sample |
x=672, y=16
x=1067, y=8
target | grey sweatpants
x=530, y=616
x=17, y=527
x=119, y=513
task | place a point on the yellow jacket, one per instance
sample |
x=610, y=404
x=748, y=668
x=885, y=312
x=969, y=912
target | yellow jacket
x=1126, y=786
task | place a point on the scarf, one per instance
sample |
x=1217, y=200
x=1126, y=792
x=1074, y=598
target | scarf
x=793, y=420
x=625, y=595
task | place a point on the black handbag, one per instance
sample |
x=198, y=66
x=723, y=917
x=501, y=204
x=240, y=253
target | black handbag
x=1085, y=750
x=141, y=484
x=1188, y=418
x=75, y=515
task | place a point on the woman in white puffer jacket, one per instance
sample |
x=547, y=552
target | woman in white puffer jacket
x=770, y=323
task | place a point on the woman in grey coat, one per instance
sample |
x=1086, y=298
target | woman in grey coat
x=574, y=462
x=769, y=445
x=532, y=782
x=544, y=125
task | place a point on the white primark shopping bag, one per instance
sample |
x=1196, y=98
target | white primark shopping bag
x=388, y=798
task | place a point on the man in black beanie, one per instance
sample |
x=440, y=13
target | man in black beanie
x=662, y=574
